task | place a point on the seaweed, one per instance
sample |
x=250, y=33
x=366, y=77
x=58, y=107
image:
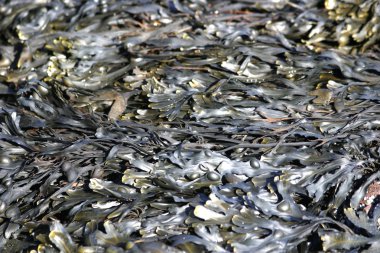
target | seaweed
x=196, y=126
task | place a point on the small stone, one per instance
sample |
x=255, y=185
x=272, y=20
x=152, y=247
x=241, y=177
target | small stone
x=255, y=164
x=5, y=160
x=213, y=176
x=193, y=176
x=283, y=206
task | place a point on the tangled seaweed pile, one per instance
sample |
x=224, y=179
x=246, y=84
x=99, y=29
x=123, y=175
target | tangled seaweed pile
x=189, y=126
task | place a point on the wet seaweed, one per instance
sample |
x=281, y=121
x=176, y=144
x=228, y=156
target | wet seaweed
x=189, y=126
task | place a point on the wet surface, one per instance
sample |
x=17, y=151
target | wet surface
x=189, y=126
